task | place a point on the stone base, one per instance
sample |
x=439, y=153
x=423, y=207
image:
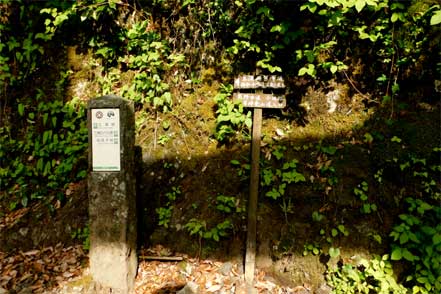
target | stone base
x=113, y=261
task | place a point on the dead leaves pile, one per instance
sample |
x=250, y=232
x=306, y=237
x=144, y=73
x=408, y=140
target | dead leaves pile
x=12, y=218
x=58, y=270
x=36, y=271
x=205, y=276
x=208, y=277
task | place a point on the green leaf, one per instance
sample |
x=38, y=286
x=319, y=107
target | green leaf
x=208, y=235
x=273, y=194
x=46, y=136
x=359, y=5
x=436, y=18
x=21, y=109
x=407, y=255
x=248, y=121
x=24, y=201
x=423, y=207
x=428, y=230
x=265, y=11
x=82, y=174
x=334, y=252
x=368, y=138
x=341, y=228
x=40, y=164
x=47, y=168
x=330, y=150
x=276, y=28
x=310, y=70
x=404, y=238
x=312, y=7
x=386, y=99
x=397, y=254
x=436, y=239
x=395, y=88
x=282, y=189
x=45, y=117
x=395, y=139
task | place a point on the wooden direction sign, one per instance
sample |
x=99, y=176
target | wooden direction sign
x=251, y=91
x=261, y=100
x=259, y=82
x=245, y=85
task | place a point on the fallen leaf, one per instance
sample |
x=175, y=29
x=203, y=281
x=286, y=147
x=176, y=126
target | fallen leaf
x=67, y=274
x=280, y=133
x=31, y=252
x=214, y=288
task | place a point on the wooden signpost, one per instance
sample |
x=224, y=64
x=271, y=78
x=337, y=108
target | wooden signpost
x=262, y=91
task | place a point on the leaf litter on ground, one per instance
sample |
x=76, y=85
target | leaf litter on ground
x=59, y=269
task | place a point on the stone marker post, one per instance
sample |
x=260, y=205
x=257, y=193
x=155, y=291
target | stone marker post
x=112, y=199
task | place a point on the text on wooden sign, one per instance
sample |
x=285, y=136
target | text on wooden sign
x=249, y=90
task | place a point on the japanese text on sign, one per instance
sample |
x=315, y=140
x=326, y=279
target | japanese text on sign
x=250, y=91
x=258, y=82
x=105, y=139
x=261, y=100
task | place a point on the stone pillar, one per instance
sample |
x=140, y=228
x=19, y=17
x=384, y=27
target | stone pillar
x=112, y=196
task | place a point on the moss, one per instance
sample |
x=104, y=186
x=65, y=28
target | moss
x=85, y=282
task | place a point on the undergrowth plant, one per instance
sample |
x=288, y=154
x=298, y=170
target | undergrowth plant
x=134, y=64
x=83, y=235
x=397, y=32
x=257, y=25
x=229, y=209
x=165, y=212
x=231, y=120
x=361, y=191
x=148, y=57
x=202, y=231
x=365, y=276
x=416, y=240
x=51, y=155
x=276, y=177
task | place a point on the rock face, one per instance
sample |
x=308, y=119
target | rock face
x=112, y=210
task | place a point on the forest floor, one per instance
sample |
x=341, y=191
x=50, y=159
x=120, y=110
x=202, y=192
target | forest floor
x=65, y=270
x=30, y=263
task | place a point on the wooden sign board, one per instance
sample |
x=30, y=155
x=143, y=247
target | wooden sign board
x=259, y=82
x=261, y=100
x=246, y=83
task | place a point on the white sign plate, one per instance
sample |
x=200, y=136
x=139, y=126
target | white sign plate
x=106, y=140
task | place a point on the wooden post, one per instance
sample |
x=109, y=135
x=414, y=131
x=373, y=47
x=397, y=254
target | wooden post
x=257, y=101
x=250, y=256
